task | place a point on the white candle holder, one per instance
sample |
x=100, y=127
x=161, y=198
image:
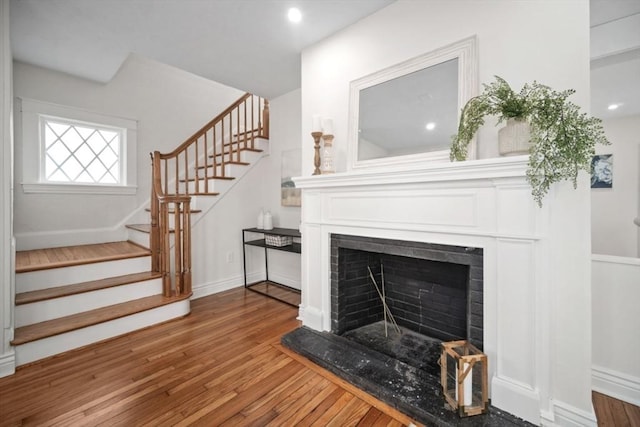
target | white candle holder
x=464, y=379
x=327, y=155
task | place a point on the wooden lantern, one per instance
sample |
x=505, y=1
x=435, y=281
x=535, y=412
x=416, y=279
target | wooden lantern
x=464, y=377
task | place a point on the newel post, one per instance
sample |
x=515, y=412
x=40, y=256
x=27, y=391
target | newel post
x=265, y=119
x=154, y=236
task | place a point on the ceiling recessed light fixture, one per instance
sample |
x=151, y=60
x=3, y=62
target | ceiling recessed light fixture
x=613, y=106
x=294, y=15
x=430, y=126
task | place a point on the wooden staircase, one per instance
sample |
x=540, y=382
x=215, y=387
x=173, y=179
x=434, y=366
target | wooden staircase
x=70, y=297
x=54, y=313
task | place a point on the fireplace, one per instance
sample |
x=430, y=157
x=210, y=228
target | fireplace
x=432, y=290
x=532, y=272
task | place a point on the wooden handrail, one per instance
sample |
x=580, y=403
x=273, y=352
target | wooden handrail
x=213, y=122
x=187, y=171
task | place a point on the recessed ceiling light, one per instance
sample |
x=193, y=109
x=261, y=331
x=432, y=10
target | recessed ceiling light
x=613, y=106
x=294, y=15
x=430, y=126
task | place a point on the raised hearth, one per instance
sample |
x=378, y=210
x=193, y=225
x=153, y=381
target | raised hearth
x=411, y=390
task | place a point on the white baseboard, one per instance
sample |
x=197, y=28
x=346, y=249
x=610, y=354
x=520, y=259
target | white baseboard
x=616, y=384
x=311, y=317
x=570, y=416
x=515, y=398
x=292, y=282
x=7, y=364
x=210, y=288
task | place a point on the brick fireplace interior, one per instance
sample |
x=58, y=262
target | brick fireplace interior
x=434, y=293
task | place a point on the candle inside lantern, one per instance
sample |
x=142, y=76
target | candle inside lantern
x=327, y=126
x=316, y=124
x=467, y=385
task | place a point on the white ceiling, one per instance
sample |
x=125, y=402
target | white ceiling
x=217, y=39
x=246, y=44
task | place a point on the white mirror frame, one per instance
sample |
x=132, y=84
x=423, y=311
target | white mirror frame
x=466, y=52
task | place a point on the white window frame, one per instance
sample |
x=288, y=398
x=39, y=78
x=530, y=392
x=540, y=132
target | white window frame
x=33, y=155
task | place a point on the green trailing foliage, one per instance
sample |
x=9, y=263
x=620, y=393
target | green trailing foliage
x=563, y=139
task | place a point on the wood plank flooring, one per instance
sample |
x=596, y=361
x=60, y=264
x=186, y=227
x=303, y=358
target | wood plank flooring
x=221, y=365
x=40, y=259
x=615, y=413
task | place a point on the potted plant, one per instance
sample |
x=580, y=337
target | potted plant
x=562, y=140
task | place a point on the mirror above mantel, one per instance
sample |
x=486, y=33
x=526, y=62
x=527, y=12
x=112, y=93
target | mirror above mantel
x=405, y=115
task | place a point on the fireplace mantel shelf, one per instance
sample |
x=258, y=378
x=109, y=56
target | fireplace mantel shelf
x=472, y=170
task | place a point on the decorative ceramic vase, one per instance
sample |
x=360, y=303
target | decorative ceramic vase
x=268, y=221
x=514, y=138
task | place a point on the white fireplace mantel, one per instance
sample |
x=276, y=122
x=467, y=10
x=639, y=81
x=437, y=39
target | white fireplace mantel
x=537, y=321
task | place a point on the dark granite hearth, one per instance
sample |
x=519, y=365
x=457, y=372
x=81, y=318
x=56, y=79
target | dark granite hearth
x=412, y=348
x=407, y=388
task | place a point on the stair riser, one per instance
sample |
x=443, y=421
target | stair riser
x=139, y=237
x=43, y=279
x=245, y=156
x=36, y=350
x=215, y=186
x=41, y=311
x=233, y=170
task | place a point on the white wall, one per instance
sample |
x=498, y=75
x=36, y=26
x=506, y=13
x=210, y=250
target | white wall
x=219, y=233
x=520, y=41
x=7, y=357
x=614, y=209
x=169, y=105
x=616, y=341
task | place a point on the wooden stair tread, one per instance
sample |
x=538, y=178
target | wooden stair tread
x=173, y=210
x=78, y=288
x=224, y=178
x=43, y=259
x=61, y=325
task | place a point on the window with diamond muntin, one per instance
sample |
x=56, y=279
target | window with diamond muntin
x=83, y=153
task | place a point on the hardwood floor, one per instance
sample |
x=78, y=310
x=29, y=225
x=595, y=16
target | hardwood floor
x=221, y=365
x=615, y=413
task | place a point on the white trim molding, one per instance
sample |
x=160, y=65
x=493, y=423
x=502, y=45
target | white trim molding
x=533, y=266
x=616, y=384
x=7, y=242
x=31, y=112
x=49, y=188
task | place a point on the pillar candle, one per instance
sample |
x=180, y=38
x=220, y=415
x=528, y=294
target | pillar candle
x=315, y=123
x=327, y=126
x=467, y=400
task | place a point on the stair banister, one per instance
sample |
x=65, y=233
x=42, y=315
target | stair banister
x=187, y=171
x=160, y=236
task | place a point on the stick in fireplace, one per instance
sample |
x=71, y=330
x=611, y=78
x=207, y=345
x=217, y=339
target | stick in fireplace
x=387, y=312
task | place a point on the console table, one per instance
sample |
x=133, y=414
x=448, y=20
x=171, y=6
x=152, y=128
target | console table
x=262, y=286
